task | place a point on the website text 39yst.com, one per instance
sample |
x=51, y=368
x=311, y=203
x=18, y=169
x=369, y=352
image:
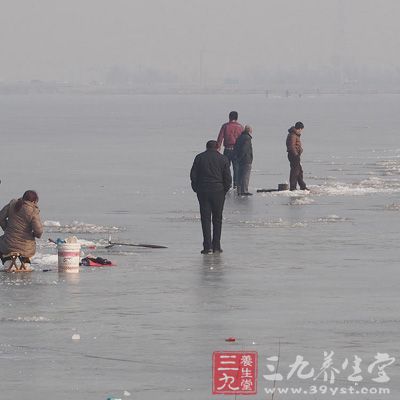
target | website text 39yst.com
x=329, y=390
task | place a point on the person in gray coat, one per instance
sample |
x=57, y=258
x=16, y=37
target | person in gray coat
x=20, y=221
x=243, y=153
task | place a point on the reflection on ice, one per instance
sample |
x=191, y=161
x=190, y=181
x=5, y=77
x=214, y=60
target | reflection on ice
x=213, y=261
x=69, y=278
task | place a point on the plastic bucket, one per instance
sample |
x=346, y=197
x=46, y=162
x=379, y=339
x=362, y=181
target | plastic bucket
x=68, y=257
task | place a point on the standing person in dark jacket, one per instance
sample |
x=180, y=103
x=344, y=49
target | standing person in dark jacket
x=294, y=150
x=243, y=152
x=228, y=134
x=211, y=179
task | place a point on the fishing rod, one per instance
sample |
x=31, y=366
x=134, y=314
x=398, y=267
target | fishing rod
x=277, y=367
x=151, y=246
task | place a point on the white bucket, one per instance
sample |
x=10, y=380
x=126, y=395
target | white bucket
x=68, y=257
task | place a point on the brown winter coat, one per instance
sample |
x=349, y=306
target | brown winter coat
x=20, y=228
x=293, y=142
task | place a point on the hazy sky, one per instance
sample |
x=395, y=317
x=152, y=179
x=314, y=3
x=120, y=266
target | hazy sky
x=82, y=39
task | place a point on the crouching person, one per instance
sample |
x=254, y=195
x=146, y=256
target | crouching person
x=20, y=221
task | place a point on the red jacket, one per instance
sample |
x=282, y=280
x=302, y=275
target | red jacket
x=229, y=133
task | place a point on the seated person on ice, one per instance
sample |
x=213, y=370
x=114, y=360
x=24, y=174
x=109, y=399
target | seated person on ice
x=20, y=221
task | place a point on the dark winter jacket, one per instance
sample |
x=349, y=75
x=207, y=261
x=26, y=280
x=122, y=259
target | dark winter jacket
x=293, y=142
x=20, y=228
x=243, y=150
x=210, y=172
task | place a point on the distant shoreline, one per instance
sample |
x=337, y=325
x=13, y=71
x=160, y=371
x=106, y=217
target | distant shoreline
x=48, y=88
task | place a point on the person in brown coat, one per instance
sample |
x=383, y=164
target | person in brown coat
x=294, y=150
x=20, y=221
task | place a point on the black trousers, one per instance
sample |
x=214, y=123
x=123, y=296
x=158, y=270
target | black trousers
x=235, y=165
x=211, y=207
x=296, y=172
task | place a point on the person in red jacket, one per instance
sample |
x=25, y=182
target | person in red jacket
x=229, y=133
x=294, y=150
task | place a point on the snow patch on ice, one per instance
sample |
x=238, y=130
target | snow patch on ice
x=301, y=201
x=393, y=207
x=372, y=185
x=44, y=259
x=278, y=223
x=389, y=167
x=281, y=223
x=332, y=218
x=51, y=223
x=33, y=318
x=80, y=227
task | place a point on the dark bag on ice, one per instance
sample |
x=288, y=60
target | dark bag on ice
x=98, y=260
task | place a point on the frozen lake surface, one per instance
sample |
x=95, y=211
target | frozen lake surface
x=301, y=274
